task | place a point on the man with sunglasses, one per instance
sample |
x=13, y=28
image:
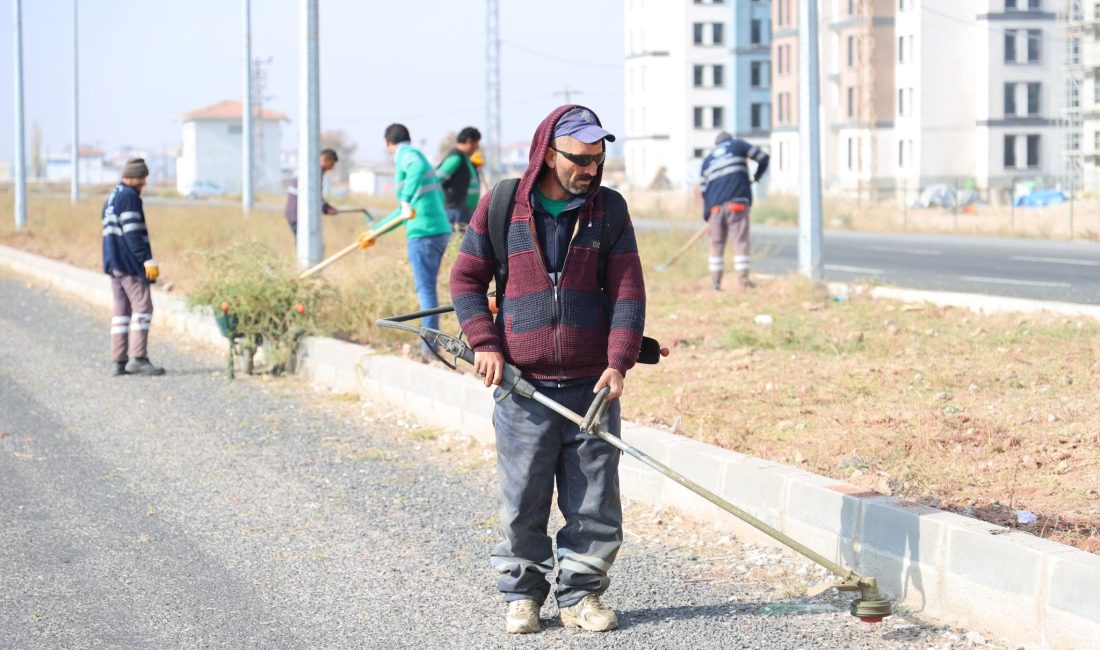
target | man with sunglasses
x=727, y=198
x=571, y=330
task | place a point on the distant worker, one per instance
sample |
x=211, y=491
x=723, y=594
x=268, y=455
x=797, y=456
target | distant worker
x=428, y=232
x=128, y=259
x=727, y=200
x=328, y=161
x=460, y=179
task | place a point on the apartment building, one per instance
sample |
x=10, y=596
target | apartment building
x=693, y=68
x=784, y=169
x=1020, y=78
x=1080, y=21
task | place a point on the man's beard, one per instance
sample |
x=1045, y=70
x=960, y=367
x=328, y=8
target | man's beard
x=573, y=186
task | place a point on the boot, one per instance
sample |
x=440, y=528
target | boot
x=142, y=366
x=716, y=280
x=118, y=368
x=590, y=614
x=743, y=282
x=522, y=617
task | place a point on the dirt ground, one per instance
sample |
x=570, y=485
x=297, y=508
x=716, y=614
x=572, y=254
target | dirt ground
x=987, y=415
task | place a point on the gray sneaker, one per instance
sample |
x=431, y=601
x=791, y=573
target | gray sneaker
x=522, y=618
x=118, y=368
x=142, y=366
x=590, y=614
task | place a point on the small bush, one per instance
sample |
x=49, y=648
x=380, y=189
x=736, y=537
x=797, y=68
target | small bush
x=264, y=293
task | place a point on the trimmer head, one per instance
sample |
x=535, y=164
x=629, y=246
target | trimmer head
x=871, y=607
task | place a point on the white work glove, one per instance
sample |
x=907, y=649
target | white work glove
x=407, y=211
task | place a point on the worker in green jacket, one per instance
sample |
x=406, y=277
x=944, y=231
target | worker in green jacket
x=428, y=231
x=460, y=180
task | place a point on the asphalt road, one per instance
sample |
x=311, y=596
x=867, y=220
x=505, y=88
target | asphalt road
x=1023, y=268
x=190, y=511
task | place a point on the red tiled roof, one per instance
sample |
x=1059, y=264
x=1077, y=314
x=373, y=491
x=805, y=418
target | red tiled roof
x=229, y=109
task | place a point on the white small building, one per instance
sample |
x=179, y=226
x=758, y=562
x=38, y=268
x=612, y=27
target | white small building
x=213, y=145
x=90, y=163
x=373, y=180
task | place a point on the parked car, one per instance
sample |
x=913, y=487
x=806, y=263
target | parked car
x=200, y=189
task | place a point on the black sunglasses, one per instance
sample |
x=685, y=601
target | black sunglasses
x=583, y=160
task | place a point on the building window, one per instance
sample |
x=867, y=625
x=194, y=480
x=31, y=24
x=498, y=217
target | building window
x=1017, y=5
x=1074, y=143
x=697, y=117
x=756, y=36
x=757, y=74
x=1034, y=38
x=851, y=51
x=718, y=74
x=1096, y=141
x=1075, y=50
x=1010, y=152
x=1096, y=86
x=905, y=153
x=851, y=102
x=697, y=33
x=779, y=59
x=905, y=107
x=758, y=116
x=717, y=114
x=698, y=153
x=1010, y=46
x=782, y=154
x=905, y=49
x=697, y=76
x=853, y=153
x=1010, y=100
x=851, y=7
x=1033, y=107
x=1032, y=152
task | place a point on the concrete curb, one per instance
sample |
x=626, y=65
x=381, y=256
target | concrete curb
x=960, y=571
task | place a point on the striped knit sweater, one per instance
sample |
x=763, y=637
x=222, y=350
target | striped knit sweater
x=571, y=330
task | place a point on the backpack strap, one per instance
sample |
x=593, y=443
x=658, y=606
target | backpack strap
x=614, y=217
x=501, y=203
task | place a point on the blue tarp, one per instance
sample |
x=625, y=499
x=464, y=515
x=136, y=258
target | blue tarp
x=1039, y=198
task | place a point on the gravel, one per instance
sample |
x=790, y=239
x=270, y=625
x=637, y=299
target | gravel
x=188, y=510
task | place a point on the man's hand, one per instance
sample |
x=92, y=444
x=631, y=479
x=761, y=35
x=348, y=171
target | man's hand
x=328, y=209
x=152, y=271
x=490, y=367
x=612, y=378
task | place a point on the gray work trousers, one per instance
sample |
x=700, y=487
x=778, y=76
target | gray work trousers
x=537, y=448
x=133, y=312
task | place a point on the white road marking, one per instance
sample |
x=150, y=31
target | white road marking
x=910, y=251
x=1024, y=283
x=1056, y=260
x=852, y=269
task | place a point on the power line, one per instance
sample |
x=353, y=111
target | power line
x=561, y=59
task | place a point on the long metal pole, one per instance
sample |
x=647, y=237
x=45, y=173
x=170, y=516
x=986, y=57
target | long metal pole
x=810, y=238
x=74, y=189
x=20, y=171
x=246, y=113
x=309, y=140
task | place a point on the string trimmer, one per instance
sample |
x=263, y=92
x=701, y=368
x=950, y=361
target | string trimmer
x=664, y=266
x=870, y=607
x=350, y=248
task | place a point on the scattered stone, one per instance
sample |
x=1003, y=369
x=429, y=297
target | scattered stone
x=1028, y=462
x=1063, y=467
x=976, y=638
x=764, y=320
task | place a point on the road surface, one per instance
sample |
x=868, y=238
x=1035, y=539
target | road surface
x=190, y=511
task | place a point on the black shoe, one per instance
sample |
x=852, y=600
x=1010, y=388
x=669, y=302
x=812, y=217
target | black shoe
x=119, y=369
x=142, y=366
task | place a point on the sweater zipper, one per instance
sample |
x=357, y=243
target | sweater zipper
x=557, y=295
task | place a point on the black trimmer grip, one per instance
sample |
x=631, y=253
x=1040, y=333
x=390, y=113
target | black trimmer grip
x=651, y=351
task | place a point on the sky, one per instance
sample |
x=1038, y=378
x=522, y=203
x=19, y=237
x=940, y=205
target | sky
x=419, y=62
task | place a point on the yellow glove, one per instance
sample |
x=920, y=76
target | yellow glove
x=367, y=239
x=477, y=159
x=152, y=271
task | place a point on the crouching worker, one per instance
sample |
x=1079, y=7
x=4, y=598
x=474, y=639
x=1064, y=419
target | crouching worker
x=128, y=259
x=571, y=318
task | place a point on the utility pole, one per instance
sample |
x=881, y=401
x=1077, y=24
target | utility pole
x=246, y=113
x=20, y=171
x=74, y=190
x=567, y=93
x=492, y=85
x=809, y=197
x=309, y=139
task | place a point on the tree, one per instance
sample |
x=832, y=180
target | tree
x=38, y=164
x=339, y=141
x=447, y=143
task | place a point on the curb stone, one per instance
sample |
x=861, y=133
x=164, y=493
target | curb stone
x=959, y=571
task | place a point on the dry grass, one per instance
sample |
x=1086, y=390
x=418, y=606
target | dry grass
x=981, y=414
